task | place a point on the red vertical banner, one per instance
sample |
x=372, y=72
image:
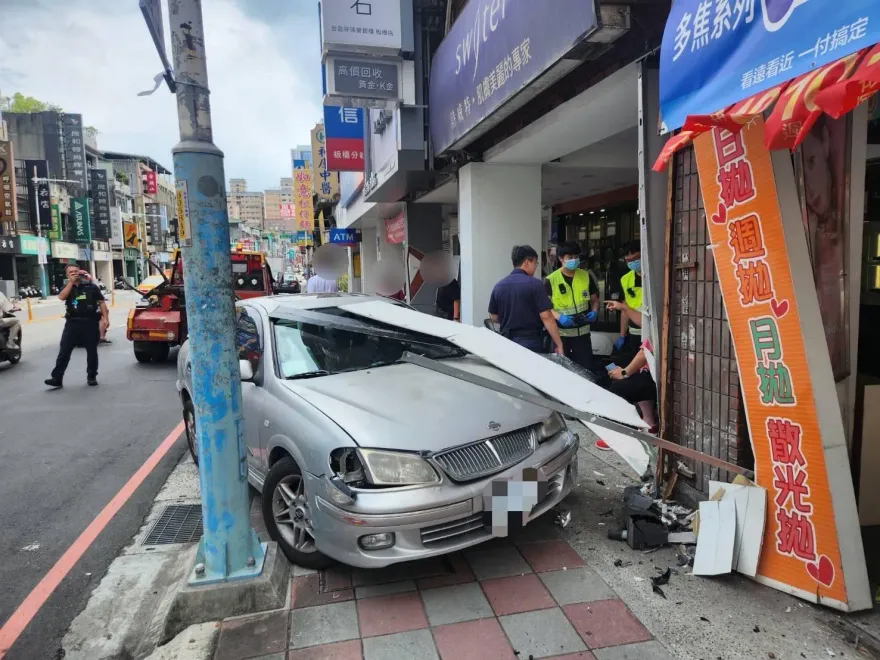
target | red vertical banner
x=801, y=552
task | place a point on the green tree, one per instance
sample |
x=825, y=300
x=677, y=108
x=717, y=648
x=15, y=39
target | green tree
x=18, y=102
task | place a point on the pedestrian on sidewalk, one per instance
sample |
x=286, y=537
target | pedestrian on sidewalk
x=520, y=305
x=575, y=298
x=86, y=315
x=12, y=323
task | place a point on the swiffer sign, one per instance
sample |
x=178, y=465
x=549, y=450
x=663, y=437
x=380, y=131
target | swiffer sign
x=494, y=50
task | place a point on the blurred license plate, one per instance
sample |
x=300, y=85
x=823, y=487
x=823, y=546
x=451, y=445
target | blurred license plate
x=507, y=502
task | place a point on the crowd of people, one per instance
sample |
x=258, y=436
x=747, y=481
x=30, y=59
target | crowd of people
x=556, y=315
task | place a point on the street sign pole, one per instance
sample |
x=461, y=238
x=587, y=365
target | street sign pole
x=229, y=548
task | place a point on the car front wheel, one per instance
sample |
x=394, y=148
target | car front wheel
x=287, y=515
x=189, y=420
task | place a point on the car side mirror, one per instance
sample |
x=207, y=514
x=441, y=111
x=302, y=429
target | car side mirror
x=246, y=371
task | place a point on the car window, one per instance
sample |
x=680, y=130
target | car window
x=309, y=349
x=247, y=337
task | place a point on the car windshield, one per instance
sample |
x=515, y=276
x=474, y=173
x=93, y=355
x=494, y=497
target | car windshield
x=306, y=350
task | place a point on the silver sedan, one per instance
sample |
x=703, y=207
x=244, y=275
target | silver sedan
x=367, y=459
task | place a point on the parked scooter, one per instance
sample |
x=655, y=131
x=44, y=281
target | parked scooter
x=11, y=355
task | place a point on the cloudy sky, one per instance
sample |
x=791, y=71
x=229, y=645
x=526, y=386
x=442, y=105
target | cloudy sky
x=93, y=57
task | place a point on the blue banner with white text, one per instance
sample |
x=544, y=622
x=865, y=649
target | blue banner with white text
x=718, y=52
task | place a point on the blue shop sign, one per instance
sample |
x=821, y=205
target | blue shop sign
x=345, y=236
x=718, y=52
x=495, y=49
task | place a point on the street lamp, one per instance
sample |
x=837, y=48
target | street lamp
x=43, y=258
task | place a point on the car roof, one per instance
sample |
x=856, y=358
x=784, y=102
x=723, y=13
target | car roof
x=299, y=301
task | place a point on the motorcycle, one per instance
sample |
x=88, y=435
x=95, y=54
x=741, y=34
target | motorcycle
x=11, y=355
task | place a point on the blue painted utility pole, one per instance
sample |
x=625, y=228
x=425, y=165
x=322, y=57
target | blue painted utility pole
x=229, y=548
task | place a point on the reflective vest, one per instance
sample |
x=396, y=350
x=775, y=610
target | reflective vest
x=633, y=296
x=570, y=300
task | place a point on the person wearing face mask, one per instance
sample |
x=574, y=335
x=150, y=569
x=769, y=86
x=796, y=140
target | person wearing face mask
x=575, y=298
x=630, y=339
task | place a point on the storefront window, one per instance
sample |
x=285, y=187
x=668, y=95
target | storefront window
x=822, y=167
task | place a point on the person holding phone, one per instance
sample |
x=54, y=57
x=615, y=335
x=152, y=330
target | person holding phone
x=86, y=315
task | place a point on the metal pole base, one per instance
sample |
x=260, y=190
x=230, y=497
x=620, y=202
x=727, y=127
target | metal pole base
x=200, y=575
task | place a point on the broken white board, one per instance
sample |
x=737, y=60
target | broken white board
x=750, y=503
x=640, y=456
x=716, y=539
x=542, y=374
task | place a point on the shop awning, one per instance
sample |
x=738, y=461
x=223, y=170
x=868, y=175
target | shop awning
x=725, y=61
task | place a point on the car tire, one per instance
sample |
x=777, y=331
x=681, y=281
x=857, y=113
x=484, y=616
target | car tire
x=160, y=353
x=189, y=426
x=143, y=356
x=285, y=488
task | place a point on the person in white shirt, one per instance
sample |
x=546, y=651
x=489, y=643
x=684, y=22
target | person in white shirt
x=318, y=284
x=13, y=324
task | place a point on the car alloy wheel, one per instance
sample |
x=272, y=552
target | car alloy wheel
x=290, y=508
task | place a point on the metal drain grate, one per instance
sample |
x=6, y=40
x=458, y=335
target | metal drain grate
x=179, y=523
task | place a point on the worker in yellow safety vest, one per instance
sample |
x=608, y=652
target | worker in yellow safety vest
x=575, y=298
x=630, y=309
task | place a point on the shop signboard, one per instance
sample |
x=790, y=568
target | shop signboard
x=492, y=53
x=74, y=152
x=286, y=211
x=81, y=217
x=10, y=245
x=130, y=235
x=33, y=245
x=326, y=183
x=39, y=169
x=345, y=236
x=805, y=532
x=154, y=224
x=304, y=238
x=62, y=250
x=359, y=81
x=116, y=228
x=395, y=229
x=8, y=208
x=344, y=130
x=101, y=255
x=150, y=185
x=55, y=232
x=184, y=229
x=99, y=193
x=361, y=25
x=715, y=54
x=302, y=195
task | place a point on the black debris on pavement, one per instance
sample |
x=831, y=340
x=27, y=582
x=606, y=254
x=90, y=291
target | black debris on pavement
x=756, y=629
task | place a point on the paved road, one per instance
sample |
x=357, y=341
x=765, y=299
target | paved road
x=63, y=456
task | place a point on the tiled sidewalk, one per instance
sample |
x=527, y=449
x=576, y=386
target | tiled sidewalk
x=498, y=601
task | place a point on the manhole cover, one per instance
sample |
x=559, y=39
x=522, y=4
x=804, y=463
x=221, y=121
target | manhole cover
x=179, y=523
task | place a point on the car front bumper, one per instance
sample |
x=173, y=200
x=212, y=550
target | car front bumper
x=453, y=522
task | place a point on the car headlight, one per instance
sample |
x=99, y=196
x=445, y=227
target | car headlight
x=551, y=426
x=388, y=468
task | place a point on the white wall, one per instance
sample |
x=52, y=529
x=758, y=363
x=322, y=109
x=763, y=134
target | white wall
x=499, y=207
x=368, y=260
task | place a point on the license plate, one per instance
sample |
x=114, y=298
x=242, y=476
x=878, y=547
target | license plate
x=508, y=501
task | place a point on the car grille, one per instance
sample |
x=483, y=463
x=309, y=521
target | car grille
x=487, y=456
x=456, y=531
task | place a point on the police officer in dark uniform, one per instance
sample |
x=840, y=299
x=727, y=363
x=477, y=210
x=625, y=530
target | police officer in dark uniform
x=520, y=305
x=86, y=314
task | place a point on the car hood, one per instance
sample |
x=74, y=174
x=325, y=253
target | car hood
x=406, y=407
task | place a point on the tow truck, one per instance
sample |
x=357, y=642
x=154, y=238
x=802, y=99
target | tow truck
x=158, y=322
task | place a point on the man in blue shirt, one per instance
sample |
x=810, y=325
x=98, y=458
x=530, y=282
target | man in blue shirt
x=520, y=305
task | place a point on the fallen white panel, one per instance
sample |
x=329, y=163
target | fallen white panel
x=716, y=539
x=751, y=504
x=640, y=456
x=542, y=374
x=402, y=317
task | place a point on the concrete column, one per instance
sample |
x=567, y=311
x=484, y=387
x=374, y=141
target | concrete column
x=369, y=264
x=653, y=195
x=499, y=207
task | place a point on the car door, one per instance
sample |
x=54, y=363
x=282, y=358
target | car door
x=250, y=340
